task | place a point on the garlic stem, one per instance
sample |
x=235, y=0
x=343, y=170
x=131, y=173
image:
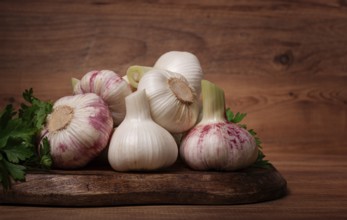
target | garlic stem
x=74, y=82
x=213, y=102
x=140, y=109
x=135, y=73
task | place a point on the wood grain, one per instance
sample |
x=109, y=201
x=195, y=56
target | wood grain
x=177, y=185
x=316, y=186
x=283, y=62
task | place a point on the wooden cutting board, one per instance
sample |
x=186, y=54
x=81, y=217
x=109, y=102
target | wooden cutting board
x=101, y=186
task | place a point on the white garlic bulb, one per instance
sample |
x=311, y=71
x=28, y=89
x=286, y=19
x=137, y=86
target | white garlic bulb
x=78, y=129
x=173, y=102
x=139, y=143
x=111, y=87
x=215, y=143
x=184, y=63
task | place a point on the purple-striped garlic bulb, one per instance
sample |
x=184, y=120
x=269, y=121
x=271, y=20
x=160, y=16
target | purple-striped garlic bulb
x=78, y=130
x=110, y=86
x=214, y=143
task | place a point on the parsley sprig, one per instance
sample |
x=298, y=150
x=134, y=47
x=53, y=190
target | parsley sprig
x=237, y=118
x=18, y=139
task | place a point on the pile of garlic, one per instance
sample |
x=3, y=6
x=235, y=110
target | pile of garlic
x=148, y=118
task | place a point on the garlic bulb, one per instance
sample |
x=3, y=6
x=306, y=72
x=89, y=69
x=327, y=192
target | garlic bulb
x=111, y=87
x=173, y=101
x=78, y=129
x=215, y=143
x=184, y=63
x=139, y=143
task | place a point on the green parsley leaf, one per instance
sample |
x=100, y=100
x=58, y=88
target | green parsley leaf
x=15, y=170
x=28, y=95
x=16, y=130
x=6, y=116
x=15, y=155
x=229, y=114
x=235, y=118
x=4, y=175
x=18, y=139
x=46, y=158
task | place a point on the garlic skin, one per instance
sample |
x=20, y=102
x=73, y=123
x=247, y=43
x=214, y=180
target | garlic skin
x=139, y=143
x=184, y=63
x=220, y=146
x=173, y=102
x=78, y=129
x=215, y=143
x=111, y=87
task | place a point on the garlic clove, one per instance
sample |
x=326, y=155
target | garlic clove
x=139, y=143
x=111, y=87
x=78, y=129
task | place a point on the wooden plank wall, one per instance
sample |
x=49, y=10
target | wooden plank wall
x=283, y=62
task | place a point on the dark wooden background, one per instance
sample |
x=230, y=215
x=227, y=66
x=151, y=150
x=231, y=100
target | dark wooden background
x=283, y=62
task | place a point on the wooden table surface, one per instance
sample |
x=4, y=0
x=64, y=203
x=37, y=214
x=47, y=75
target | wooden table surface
x=282, y=62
